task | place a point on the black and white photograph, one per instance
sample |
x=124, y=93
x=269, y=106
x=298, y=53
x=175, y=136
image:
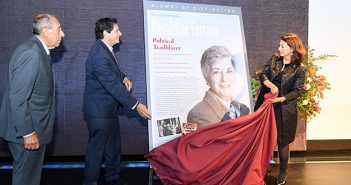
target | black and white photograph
x=167, y=127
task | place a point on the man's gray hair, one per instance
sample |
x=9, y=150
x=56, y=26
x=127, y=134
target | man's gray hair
x=41, y=21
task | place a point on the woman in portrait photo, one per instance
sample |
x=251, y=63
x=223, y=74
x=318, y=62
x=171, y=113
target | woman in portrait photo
x=225, y=84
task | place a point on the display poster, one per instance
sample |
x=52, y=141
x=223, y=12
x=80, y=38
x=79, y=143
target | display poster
x=196, y=66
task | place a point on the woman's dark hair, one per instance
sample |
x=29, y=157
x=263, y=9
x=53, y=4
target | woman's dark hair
x=295, y=43
x=104, y=24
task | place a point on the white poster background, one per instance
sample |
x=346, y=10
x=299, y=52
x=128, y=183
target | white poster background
x=176, y=35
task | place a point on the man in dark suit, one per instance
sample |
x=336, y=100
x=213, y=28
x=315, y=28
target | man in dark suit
x=28, y=106
x=106, y=90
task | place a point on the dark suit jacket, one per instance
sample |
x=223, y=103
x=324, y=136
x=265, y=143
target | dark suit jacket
x=104, y=90
x=28, y=103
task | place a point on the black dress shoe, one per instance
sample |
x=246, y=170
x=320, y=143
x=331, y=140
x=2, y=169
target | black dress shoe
x=119, y=181
x=282, y=177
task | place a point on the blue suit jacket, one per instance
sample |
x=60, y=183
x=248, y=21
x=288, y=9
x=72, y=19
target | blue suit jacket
x=104, y=90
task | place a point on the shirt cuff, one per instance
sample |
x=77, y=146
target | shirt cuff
x=135, y=105
x=28, y=135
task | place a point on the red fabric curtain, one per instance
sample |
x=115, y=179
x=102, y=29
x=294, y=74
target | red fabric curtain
x=235, y=151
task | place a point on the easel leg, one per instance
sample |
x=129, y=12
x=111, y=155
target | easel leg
x=151, y=175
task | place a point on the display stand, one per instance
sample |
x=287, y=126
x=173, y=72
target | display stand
x=153, y=177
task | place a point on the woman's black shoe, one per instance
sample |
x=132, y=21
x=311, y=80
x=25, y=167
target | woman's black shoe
x=282, y=177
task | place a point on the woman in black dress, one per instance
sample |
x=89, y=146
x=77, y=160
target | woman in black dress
x=284, y=73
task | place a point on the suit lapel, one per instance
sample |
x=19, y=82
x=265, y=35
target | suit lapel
x=40, y=45
x=218, y=108
x=47, y=64
x=113, y=59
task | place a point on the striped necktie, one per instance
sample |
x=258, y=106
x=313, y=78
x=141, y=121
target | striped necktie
x=234, y=111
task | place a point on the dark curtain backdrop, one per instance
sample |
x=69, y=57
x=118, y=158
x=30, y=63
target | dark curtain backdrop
x=264, y=21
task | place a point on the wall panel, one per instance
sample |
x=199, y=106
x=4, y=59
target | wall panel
x=264, y=21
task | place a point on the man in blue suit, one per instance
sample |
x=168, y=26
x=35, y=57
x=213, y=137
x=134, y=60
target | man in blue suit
x=28, y=106
x=106, y=90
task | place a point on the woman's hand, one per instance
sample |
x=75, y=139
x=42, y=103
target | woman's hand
x=270, y=85
x=277, y=99
x=274, y=88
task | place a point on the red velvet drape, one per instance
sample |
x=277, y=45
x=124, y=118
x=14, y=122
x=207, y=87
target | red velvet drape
x=235, y=152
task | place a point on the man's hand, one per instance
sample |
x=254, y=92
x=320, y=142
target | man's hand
x=31, y=142
x=142, y=111
x=128, y=83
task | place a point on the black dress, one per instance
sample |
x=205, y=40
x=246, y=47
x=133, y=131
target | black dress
x=277, y=81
